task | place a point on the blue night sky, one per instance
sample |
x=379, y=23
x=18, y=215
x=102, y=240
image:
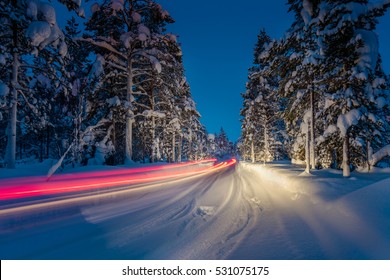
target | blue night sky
x=218, y=37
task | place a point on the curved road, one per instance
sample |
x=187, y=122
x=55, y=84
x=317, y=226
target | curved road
x=233, y=213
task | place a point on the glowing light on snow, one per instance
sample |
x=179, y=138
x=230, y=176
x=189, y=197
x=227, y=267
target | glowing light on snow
x=36, y=186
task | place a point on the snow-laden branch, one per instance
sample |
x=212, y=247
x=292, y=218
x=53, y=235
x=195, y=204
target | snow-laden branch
x=104, y=45
x=379, y=155
x=54, y=168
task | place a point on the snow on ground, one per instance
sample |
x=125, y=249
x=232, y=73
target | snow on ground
x=245, y=212
x=318, y=216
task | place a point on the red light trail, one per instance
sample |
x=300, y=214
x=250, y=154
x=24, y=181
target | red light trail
x=18, y=188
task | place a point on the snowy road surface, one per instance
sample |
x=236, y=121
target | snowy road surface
x=241, y=212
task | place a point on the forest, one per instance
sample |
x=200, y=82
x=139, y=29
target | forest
x=319, y=95
x=110, y=91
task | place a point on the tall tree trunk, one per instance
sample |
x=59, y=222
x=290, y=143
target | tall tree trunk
x=369, y=155
x=154, y=142
x=41, y=147
x=307, y=151
x=11, y=141
x=47, y=141
x=179, y=148
x=346, y=167
x=173, y=146
x=190, y=156
x=199, y=149
x=129, y=114
x=266, y=144
x=312, y=131
x=163, y=146
x=252, y=151
x=153, y=128
x=77, y=132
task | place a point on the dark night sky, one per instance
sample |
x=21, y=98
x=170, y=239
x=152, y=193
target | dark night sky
x=218, y=38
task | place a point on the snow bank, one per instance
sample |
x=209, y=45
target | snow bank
x=321, y=184
x=333, y=217
x=364, y=216
x=296, y=183
x=371, y=202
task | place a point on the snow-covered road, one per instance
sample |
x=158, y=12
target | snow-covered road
x=241, y=212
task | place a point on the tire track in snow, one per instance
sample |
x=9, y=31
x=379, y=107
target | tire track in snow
x=220, y=221
x=291, y=226
x=274, y=235
x=159, y=216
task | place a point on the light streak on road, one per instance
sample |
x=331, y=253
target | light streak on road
x=94, y=174
x=34, y=187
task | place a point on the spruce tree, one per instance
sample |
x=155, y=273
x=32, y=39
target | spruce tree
x=27, y=27
x=126, y=35
x=351, y=50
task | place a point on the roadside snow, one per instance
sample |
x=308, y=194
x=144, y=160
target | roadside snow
x=318, y=216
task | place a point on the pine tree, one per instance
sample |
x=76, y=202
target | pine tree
x=126, y=36
x=301, y=84
x=351, y=49
x=263, y=127
x=223, y=147
x=331, y=86
x=27, y=27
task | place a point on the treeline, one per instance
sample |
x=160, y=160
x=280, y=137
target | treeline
x=319, y=95
x=110, y=92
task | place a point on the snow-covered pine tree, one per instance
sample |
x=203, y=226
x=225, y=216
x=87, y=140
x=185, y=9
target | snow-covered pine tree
x=76, y=88
x=223, y=147
x=301, y=82
x=27, y=27
x=125, y=40
x=381, y=88
x=190, y=120
x=354, y=108
x=263, y=129
x=158, y=106
x=250, y=112
x=211, y=144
